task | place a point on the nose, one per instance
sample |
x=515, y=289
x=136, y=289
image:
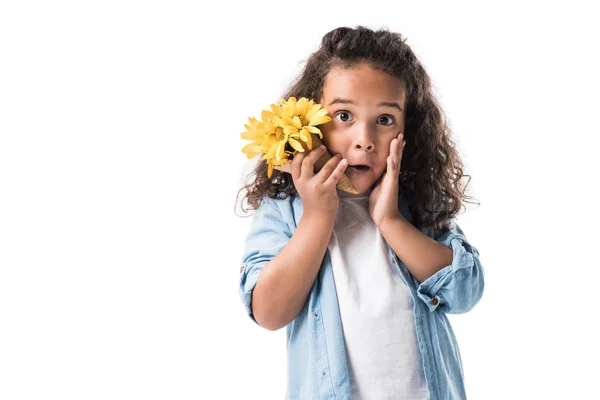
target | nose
x=363, y=140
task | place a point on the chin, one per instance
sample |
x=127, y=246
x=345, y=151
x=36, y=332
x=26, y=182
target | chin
x=363, y=184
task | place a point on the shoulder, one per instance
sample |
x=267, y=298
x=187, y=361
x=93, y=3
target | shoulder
x=281, y=206
x=273, y=221
x=281, y=201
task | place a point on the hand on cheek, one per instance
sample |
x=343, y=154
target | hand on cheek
x=383, y=202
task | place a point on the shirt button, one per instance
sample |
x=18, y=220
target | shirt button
x=434, y=301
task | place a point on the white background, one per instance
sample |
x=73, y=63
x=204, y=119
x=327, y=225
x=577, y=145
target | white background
x=120, y=160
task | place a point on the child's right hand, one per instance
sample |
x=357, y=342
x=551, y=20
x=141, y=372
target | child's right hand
x=318, y=190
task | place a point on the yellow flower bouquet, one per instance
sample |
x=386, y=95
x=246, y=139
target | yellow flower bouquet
x=285, y=130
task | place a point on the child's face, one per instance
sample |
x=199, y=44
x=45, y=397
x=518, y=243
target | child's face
x=367, y=109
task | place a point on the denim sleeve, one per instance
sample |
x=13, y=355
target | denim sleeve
x=456, y=288
x=267, y=236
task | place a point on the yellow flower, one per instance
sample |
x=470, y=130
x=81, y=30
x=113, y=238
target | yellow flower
x=252, y=133
x=283, y=130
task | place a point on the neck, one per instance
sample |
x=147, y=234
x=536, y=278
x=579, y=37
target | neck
x=364, y=194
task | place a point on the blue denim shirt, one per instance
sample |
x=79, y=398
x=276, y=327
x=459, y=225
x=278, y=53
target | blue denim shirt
x=316, y=366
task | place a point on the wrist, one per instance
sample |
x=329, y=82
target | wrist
x=319, y=216
x=391, y=220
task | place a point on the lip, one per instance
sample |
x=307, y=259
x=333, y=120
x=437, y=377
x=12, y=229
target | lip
x=366, y=164
x=358, y=171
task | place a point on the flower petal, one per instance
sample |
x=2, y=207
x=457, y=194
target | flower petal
x=289, y=129
x=296, y=145
x=302, y=106
x=276, y=110
x=251, y=150
x=280, y=148
x=296, y=122
x=313, y=110
x=289, y=108
x=272, y=151
x=267, y=115
x=306, y=137
x=248, y=135
x=313, y=129
x=320, y=117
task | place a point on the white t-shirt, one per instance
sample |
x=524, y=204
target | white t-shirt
x=376, y=308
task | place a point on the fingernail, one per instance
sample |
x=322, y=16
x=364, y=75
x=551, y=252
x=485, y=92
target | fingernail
x=322, y=147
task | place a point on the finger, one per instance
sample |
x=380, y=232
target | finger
x=393, y=163
x=337, y=173
x=400, y=153
x=296, y=164
x=401, y=147
x=328, y=168
x=308, y=163
x=392, y=169
x=393, y=157
x=396, y=150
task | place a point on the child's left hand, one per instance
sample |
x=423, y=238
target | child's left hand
x=383, y=201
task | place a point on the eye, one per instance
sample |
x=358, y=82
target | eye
x=385, y=120
x=343, y=116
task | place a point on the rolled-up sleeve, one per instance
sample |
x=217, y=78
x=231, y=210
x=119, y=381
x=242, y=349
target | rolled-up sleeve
x=456, y=288
x=267, y=236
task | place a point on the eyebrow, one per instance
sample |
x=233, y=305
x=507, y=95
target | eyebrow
x=382, y=104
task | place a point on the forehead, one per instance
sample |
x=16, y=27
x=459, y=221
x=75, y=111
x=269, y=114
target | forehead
x=362, y=84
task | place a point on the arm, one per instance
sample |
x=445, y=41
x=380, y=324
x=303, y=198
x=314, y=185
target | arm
x=445, y=266
x=422, y=255
x=286, y=280
x=280, y=269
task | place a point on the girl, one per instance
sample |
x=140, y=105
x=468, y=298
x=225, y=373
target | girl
x=363, y=282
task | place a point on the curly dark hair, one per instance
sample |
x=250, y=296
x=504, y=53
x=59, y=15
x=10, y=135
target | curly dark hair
x=431, y=170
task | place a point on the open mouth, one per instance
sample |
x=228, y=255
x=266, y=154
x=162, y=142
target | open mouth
x=359, y=168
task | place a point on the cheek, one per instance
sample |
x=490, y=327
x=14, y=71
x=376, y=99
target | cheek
x=379, y=172
x=384, y=148
x=326, y=141
x=331, y=141
x=326, y=134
